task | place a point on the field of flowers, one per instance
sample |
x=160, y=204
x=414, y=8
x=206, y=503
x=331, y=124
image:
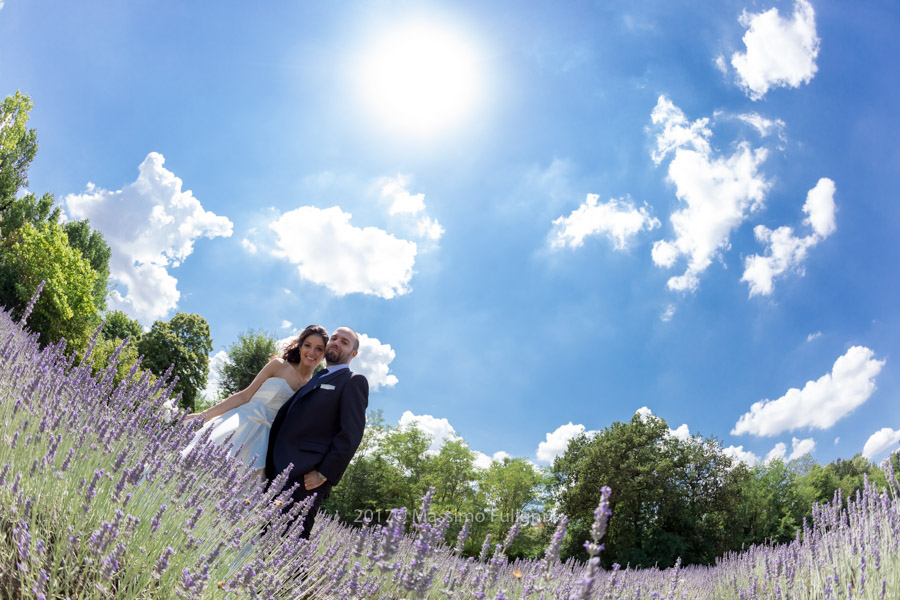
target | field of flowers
x=96, y=501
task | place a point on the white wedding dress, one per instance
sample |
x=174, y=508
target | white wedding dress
x=248, y=424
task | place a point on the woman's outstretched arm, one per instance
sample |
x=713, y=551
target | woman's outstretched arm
x=241, y=397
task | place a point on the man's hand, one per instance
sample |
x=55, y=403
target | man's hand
x=313, y=479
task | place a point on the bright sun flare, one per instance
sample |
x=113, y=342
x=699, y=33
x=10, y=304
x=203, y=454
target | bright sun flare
x=420, y=80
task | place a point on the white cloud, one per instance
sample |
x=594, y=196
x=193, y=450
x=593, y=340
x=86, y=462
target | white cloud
x=618, y=220
x=719, y=192
x=786, y=251
x=682, y=432
x=882, y=440
x=764, y=126
x=211, y=391
x=668, y=313
x=800, y=448
x=500, y=455
x=819, y=208
x=374, y=361
x=440, y=430
x=329, y=251
x=776, y=453
x=286, y=324
x=821, y=403
x=557, y=441
x=482, y=460
x=411, y=207
x=721, y=64
x=738, y=454
x=813, y=336
x=249, y=246
x=780, y=52
x=150, y=225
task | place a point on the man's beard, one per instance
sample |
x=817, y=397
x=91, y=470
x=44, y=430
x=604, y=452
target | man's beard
x=333, y=355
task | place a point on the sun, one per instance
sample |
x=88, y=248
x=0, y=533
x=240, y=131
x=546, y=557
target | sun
x=420, y=79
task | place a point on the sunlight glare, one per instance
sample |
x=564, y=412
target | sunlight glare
x=420, y=80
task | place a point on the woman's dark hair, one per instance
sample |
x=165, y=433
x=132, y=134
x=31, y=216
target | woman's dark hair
x=292, y=352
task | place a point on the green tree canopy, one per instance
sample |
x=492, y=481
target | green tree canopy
x=246, y=357
x=18, y=145
x=671, y=498
x=65, y=308
x=95, y=250
x=119, y=326
x=184, y=342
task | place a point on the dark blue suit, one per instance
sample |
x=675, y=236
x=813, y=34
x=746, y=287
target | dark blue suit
x=319, y=429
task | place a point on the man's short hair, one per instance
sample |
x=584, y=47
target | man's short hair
x=355, y=336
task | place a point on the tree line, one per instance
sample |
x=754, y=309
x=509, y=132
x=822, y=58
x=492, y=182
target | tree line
x=671, y=497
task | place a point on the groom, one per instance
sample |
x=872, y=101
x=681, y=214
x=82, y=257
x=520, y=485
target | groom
x=320, y=427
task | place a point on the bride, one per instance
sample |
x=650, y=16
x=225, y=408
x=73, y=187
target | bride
x=247, y=415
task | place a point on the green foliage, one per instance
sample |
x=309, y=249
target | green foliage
x=34, y=246
x=512, y=489
x=246, y=357
x=18, y=145
x=671, y=498
x=94, y=249
x=183, y=342
x=65, y=308
x=119, y=326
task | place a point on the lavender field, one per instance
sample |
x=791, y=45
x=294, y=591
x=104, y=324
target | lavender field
x=96, y=501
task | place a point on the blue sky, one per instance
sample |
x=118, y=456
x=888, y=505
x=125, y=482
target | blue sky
x=543, y=217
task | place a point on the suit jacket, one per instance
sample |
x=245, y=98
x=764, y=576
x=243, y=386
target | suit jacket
x=320, y=427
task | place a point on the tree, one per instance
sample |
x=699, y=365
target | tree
x=183, y=342
x=119, y=326
x=512, y=488
x=94, y=249
x=18, y=145
x=246, y=357
x=65, y=308
x=371, y=486
x=670, y=498
x=34, y=246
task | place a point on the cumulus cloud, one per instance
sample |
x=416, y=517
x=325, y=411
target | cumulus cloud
x=682, y=432
x=813, y=336
x=882, y=440
x=786, y=251
x=780, y=52
x=821, y=403
x=667, y=314
x=719, y=192
x=776, y=453
x=374, y=361
x=410, y=207
x=329, y=251
x=286, y=324
x=557, y=441
x=150, y=225
x=738, y=454
x=440, y=430
x=800, y=448
x=619, y=220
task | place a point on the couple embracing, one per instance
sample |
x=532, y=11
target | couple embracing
x=292, y=415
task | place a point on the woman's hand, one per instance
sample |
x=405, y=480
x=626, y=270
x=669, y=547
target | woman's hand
x=194, y=416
